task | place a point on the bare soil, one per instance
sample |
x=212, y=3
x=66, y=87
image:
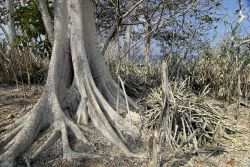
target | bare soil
x=15, y=102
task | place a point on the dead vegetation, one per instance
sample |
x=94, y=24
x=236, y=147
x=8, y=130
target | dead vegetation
x=222, y=73
x=21, y=67
x=191, y=123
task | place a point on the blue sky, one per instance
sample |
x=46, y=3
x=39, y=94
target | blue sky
x=230, y=17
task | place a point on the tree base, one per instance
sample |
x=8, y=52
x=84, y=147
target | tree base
x=78, y=85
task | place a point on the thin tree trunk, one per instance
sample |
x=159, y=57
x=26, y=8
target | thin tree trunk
x=5, y=34
x=147, y=44
x=11, y=22
x=128, y=32
x=108, y=40
x=47, y=21
x=22, y=2
x=127, y=41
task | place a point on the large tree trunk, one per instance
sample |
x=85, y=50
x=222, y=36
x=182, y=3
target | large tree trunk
x=78, y=84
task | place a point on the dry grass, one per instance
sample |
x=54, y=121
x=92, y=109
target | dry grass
x=189, y=114
x=191, y=123
x=139, y=78
x=21, y=67
x=221, y=73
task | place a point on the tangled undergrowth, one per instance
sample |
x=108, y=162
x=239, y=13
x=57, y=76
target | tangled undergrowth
x=189, y=114
x=227, y=76
x=139, y=78
x=192, y=123
x=22, y=67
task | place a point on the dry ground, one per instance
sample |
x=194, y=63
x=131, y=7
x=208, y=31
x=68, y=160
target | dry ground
x=237, y=146
x=16, y=102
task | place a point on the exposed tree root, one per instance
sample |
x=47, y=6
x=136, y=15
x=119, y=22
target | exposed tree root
x=19, y=140
x=110, y=123
x=49, y=142
x=61, y=125
x=82, y=112
x=9, y=136
x=17, y=122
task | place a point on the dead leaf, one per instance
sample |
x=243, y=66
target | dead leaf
x=231, y=162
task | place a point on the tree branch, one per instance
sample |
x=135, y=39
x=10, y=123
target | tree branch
x=241, y=19
x=114, y=27
x=132, y=8
x=159, y=26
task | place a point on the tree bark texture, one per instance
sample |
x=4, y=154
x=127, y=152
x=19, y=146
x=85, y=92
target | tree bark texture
x=43, y=8
x=147, y=43
x=11, y=22
x=78, y=85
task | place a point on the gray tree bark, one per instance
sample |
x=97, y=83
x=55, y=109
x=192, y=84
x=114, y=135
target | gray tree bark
x=148, y=29
x=46, y=19
x=128, y=31
x=11, y=22
x=127, y=41
x=5, y=34
x=78, y=85
x=22, y=2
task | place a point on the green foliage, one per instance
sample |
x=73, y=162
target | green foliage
x=29, y=22
x=38, y=74
x=208, y=54
x=207, y=18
